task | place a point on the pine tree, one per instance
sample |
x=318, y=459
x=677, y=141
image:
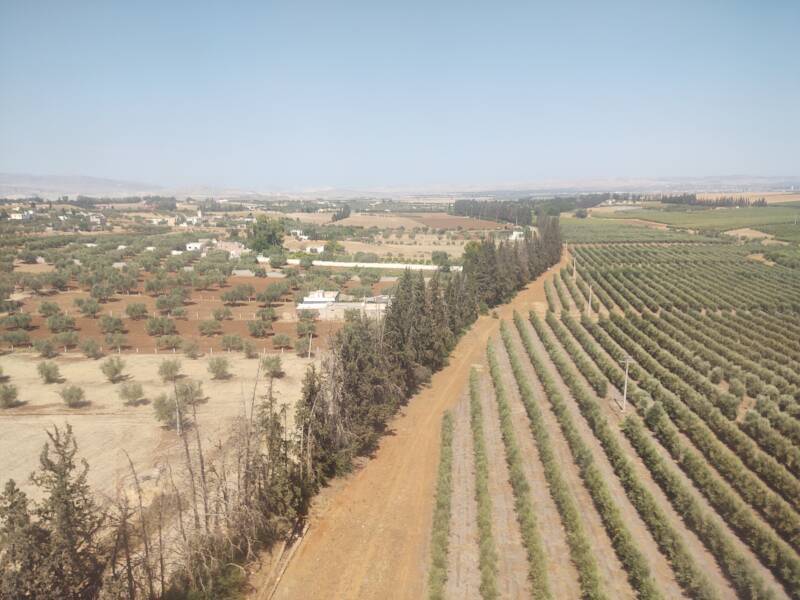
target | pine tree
x=72, y=566
x=24, y=546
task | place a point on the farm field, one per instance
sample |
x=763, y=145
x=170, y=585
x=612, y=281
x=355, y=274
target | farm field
x=719, y=219
x=555, y=487
x=106, y=428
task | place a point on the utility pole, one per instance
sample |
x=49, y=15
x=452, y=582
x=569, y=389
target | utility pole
x=309, y=344
x=573, y=267
x=625, y=387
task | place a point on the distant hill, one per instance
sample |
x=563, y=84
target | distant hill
x=52, y=186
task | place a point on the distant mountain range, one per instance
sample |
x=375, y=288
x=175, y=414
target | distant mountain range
x=53, y=186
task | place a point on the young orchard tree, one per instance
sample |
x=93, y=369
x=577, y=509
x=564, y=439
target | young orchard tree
x=136, y=311
x=218, y=367
x=281, y=340
x=73, y=396
x=8, y=397
x=112, y=368
x=210, y=328
x=91, y=349
x=191, y=349
x=170, y=370
x=49, y=372
x=272, y=366
x=131, y=393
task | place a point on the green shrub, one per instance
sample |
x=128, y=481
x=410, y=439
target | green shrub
x=91, y=348
x=49, y=372
x=136, y=310
x=440, y=532
x=73, y=396
x=272, y=365
x=46, y=348
x=60, y=322
x=191, y=349
x=281, y=340
x=131, y=393
x=209, y=328
x=218, y=367
x=8, y=395
x=169, y=370
x=112, y=368
x=232, y=341
x=259, y=329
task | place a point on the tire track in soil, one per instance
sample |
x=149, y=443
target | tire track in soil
x=610, y=569
x=562, y=574
x=369, y=534
x=512, y=561
x=463, y=572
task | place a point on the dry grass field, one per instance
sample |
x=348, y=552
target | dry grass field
x=106, y=428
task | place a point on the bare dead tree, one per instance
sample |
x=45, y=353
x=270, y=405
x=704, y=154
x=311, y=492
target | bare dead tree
x=143, y=524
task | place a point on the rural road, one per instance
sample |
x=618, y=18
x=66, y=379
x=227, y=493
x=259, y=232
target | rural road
x=369, y=537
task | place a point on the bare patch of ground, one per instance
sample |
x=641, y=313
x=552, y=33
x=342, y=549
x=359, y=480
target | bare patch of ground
x=760, y=258
x=748, y=233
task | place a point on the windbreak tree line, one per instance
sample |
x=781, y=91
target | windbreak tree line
x=510, y=211
x=375, y=365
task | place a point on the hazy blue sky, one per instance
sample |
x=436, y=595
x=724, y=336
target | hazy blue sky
x=299, y=94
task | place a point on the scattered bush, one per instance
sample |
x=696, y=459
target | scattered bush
x=112, y=368
x=209, y=328
x=169, y=370
x=131, y=393
x=46, y=348
x=88, y=307
x=249, y=349
x=191, y=349
x=169, y=342
x=73, y=396
x=110, y=324
x=221, y=314
x=272, y=365
x=259, y=329
x=281, y=340
x=48, y=309
x=8, y=395
x=49, y=372
x=158, y=326
x=218, y=367
x=91, y=349
x=60, y=322
x=17, y=338
x=136, y=311
x=17, y=321
x=232, y=342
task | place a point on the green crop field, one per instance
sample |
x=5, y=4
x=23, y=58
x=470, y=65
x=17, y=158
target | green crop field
x=719, y=219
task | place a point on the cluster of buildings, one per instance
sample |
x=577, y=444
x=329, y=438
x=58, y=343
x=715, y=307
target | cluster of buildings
x=332, y=305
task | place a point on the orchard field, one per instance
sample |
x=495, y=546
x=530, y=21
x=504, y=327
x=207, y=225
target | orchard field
x=555, y=481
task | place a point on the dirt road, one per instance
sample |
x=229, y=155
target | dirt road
x=371, y=535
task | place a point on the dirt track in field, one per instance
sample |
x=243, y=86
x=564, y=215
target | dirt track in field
x=369, y=538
